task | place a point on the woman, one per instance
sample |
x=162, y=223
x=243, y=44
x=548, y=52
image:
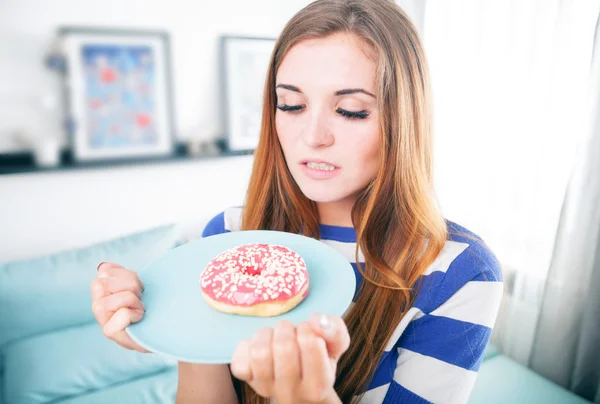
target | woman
x=345, y=156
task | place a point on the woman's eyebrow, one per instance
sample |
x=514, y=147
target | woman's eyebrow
x=345, y=91
x=353, y=91
x=289, y=87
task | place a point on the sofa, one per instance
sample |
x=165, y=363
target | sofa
x=501, y=380
x=52, y=351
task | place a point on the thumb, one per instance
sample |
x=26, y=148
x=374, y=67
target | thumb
x=334, y=331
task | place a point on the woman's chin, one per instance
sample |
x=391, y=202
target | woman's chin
x=322, y=195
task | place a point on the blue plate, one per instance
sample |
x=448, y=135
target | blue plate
x=180, y=325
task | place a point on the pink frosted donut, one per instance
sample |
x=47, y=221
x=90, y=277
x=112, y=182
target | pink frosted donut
x=255, y=280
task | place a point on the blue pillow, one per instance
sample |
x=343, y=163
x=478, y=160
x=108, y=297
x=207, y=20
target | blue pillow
x=71, y=362
x=53, y=292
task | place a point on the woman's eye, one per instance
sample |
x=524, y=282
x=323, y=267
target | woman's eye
x=290, y=108
x=352, y=114
x=345, y=113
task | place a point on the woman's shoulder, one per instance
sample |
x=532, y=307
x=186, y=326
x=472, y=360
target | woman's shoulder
x=470, y=256
x=226, y=221
x=466, y=267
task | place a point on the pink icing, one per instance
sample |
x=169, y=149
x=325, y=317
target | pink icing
x=255, y=273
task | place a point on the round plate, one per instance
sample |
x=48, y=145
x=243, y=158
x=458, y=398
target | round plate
x=180, y=325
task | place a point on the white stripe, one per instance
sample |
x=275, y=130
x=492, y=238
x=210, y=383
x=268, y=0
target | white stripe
x=233, y=219
x=476, y=302
x=433, y=379
x=412, y=314
x=374, y=396
x=348, y=250
x=451, y=250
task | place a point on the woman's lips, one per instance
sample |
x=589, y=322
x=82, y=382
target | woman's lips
x=322, y=173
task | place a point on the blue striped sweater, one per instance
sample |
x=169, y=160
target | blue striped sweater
x=435, y=351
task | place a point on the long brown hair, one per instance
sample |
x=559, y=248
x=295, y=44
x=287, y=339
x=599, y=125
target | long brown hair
x=399, y=228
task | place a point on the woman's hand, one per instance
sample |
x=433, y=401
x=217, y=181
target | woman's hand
x=116, y=302
x=294, y=364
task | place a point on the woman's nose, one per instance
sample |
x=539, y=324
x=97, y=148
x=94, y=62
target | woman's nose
x=317, y=132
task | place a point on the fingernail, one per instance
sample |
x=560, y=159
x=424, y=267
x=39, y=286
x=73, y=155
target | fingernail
x=325, y=325
x=98, y=267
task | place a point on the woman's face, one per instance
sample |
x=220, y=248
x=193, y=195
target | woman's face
x=327, y=118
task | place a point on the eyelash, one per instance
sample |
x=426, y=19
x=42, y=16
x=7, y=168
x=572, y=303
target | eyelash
x=347, y=114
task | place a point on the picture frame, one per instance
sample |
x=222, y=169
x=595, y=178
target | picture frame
x=118, y=93
x=244, y=64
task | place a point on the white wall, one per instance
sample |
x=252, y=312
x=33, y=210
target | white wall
x=49, y=212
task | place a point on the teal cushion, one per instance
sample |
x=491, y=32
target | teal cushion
x=71, y=362
x=53, y=292
x=491, y=352
x=155, y=389
x=502, y=380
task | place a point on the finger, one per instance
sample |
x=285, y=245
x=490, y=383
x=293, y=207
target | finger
x=261, y=361
x=101, y=287
x=115, y=327
x=110, y=270
x=286, y=356
x=240, y=363
x=317, y=373
x=107, y=267
x=105, y=307
x=98, y=289
x=334, y=331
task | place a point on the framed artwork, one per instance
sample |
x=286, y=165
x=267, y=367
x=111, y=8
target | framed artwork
x=244, y=64
x=118, y=90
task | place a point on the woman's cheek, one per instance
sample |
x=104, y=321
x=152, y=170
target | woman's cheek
x=282, y=126
x=289, y=129
x=365, y=148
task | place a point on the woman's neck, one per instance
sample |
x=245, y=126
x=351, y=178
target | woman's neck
x=338, y=213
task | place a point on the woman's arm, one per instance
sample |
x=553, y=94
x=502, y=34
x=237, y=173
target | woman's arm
x=205, y=384
x=199, y=384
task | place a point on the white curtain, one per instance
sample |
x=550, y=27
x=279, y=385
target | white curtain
x=565, y=348
x=510, y=81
